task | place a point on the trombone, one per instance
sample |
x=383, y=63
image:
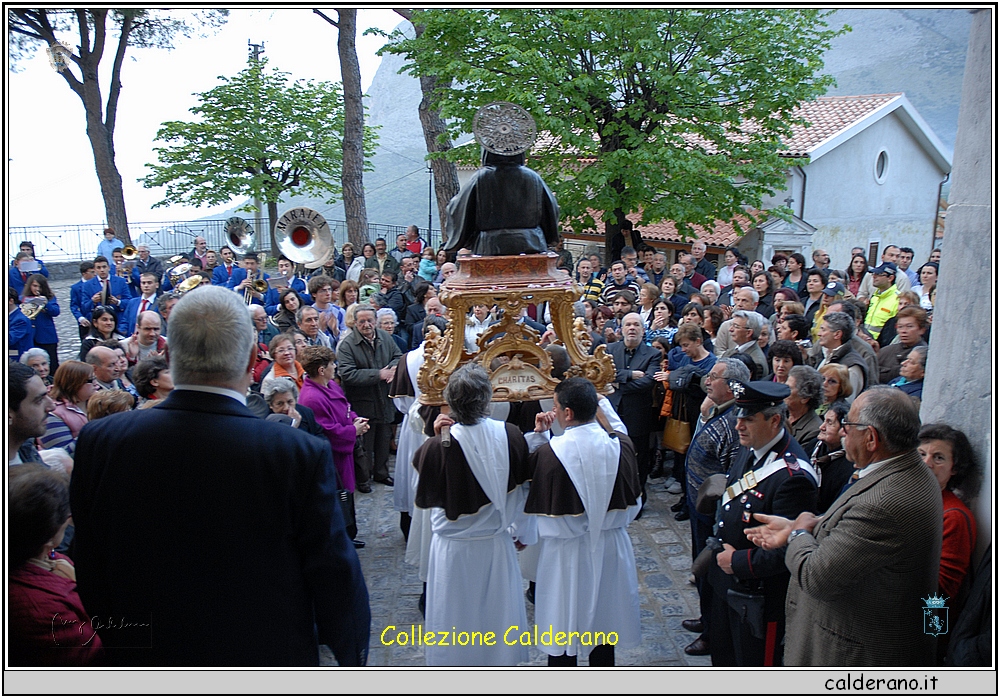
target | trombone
x=255, y=284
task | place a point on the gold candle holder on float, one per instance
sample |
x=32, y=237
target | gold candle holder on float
x=511, y=283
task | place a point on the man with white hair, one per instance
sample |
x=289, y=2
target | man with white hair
x=255, y=531
x=635, y=364
x=266, y=331
x=744, y=330
x=702, y=265
x=745, y=298
x=859, y=573
x=199, y=251
x=146, y=264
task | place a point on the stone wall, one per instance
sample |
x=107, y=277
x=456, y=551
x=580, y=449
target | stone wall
x=958, y=388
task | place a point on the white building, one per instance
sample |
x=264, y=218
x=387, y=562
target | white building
x=873, y=178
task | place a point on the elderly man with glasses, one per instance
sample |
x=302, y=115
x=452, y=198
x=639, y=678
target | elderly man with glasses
x=860, y=571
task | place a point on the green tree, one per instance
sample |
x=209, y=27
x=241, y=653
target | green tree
x=677, y=113
x=93, y=31
x=258, y=135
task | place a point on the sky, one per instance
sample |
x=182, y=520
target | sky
x=50, y=166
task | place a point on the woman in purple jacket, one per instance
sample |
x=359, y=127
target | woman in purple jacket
x=333, y=412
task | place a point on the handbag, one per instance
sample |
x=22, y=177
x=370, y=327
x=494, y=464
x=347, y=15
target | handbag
x=750, y=609
x=677, y=432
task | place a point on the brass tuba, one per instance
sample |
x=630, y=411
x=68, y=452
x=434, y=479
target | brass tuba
x=303, y=236
x=241, y=235
x=190, y=283
x=32, y=306
x=130, y=253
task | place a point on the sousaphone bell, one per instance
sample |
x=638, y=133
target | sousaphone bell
x=303, y=236
x=241, y=235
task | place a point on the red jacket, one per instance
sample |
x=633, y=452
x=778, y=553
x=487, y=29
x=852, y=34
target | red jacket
x=47, y=623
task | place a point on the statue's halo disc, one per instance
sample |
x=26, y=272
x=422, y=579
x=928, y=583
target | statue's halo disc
x=503, y=128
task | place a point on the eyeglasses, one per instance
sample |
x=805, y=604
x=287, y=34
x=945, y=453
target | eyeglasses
x=859, y=425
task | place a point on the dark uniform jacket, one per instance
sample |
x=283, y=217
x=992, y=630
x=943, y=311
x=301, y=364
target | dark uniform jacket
x=787, y=493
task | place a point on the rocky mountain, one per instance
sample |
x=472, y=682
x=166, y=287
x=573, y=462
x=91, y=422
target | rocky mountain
x=917, y=51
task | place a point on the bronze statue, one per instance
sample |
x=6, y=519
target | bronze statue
x=506, y=208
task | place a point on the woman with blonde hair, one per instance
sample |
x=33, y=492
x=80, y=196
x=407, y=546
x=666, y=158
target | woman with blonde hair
x=107, y=402
x=836, y=386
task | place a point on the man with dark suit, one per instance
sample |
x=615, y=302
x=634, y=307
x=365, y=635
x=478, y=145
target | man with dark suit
x=104, y=289
x=771, y=474
x=635, y=364
x=238, y=281
x=133, y=307
x=76, y=297
x=223, y=272
x=242, y=560
x=859, y=572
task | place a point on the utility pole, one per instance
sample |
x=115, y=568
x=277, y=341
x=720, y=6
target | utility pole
x=255, y=51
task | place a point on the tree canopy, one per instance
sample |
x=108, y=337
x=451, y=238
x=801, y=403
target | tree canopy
x=677, y=113
x=258, y=135
x=79, y=38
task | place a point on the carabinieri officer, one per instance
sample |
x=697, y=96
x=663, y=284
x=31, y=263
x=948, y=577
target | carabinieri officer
x=771, y=474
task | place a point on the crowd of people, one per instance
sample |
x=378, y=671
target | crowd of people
x=778, y=403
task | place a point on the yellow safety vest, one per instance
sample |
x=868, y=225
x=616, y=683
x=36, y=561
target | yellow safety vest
x=883, y=305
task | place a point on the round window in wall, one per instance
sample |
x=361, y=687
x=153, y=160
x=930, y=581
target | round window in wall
x=881, y=166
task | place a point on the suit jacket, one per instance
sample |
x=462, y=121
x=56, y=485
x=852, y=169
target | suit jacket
x=76, y=300
x=129, y=310
x=220, y=277
x=633, y=399
x=238, y=275
x=119, y=289
x=754, y=352
x=239, y=558
x=855, y=596
x=20, y=334
x=15, y=279
x=273, y=294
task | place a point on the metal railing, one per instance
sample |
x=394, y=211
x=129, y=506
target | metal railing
x=73, y=243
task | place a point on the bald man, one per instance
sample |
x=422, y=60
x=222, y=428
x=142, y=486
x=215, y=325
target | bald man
x=635, y=364
x=147, y=341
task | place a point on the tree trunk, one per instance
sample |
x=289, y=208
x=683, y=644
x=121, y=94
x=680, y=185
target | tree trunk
x=610, y=231
x=352, y=174
x=108, y=176
x=435, y=136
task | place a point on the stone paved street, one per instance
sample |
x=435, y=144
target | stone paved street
x=662, y=550
x=663, y=557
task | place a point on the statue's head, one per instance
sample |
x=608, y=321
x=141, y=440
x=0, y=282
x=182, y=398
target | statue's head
x=496, y=160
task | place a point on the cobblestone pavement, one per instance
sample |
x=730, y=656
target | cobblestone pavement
x=662, y=552
x=663, y=557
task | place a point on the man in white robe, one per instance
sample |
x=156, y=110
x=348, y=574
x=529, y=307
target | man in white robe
x=475, y=490
x=585, y=491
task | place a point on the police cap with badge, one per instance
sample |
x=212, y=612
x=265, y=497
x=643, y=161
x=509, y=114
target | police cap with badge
x=751, y=398
x=757, y=396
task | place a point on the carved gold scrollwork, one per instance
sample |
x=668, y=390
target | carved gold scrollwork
x=511, y=284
